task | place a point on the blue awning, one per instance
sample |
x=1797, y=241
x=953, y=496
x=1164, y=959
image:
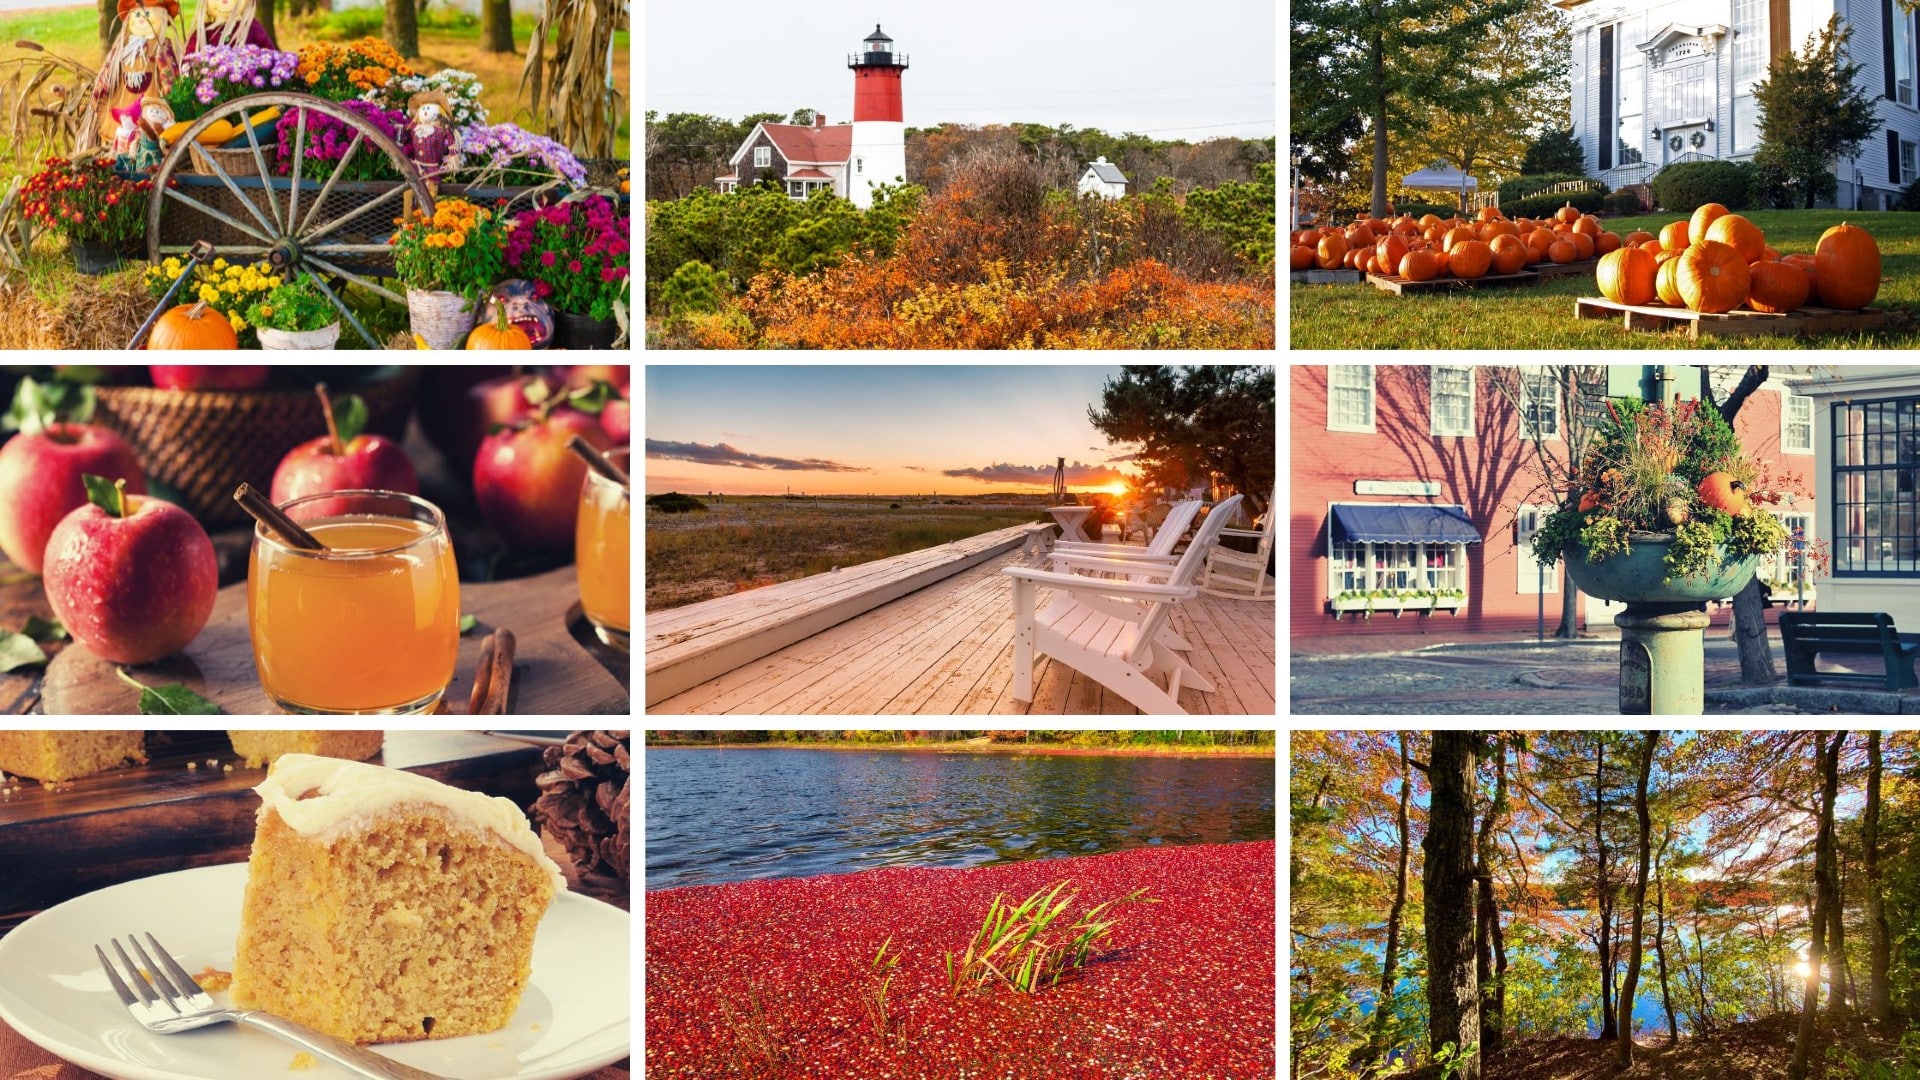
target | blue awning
x=1404, y=524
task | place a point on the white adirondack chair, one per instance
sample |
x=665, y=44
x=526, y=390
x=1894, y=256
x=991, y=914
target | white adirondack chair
x=1109, y=629
x=1145, y=564
x=1237, y=573
x=1160, y=549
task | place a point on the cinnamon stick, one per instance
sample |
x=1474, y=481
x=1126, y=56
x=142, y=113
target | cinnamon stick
x=500, y=688
x=598, y=462
x=482, y=676
x=274, y=518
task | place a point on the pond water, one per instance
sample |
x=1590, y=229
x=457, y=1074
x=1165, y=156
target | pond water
x=720, y=815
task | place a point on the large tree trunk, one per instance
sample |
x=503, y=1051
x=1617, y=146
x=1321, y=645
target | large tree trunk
x=1380, y=163
x=1602, y=889
x=1660, y=934
x=496, y=25
x=1823, y=898
x=402, y=29
x=1750, y=637
x=1839, y=974
x=1630, y=989
x=109, y=11
x=1383, y=1007
x=1879, y=949
x=1569, y=607
x=1490, y=948
x=1453, y=994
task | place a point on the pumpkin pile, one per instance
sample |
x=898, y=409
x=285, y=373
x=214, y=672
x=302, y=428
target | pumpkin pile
x=1718, y=261
x=1428, y=247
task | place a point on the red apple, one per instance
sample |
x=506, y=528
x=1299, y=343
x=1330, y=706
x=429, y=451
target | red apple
x=578, y=376
x=528, y=483
x=209, y=376
x=457, y=422
x=132, y=587
x=40, y=482
x=617, y=417
x=342, y=460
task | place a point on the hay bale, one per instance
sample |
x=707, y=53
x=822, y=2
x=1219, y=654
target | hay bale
x=81, y=312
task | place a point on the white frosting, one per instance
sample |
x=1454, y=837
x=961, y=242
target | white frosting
x=340, y=796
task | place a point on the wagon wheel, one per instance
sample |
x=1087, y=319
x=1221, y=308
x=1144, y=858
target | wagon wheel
x=292, y=223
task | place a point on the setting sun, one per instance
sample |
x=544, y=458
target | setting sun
x=1118, y=487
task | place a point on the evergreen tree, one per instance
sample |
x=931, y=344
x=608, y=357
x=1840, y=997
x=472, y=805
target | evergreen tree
x=1553, y=151
x=1813, y=113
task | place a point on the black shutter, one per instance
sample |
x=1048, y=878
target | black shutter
x=1609, y=130
x=1893, y=156
x=1886, y=44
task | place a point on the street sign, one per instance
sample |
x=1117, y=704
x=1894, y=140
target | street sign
x=1396, y=487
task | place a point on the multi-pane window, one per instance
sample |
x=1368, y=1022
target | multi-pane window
x=1357, y=566
x=1540, y=411
x=1876, y=473
x=1533, y=577
x=1349, y=397
x=1749, y=40
x=1902, y=30
x=1796, y=424
x=1687, y=93
x=1349, y=567
x=1452, y=393
x=1633, y=132
x=762, y=156
x=1786, y=568
x=1906, y=162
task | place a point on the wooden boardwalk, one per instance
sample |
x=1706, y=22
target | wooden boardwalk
x=947, y=649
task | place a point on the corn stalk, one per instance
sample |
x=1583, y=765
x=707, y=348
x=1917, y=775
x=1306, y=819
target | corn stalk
x=570, y=93
x=45, y=101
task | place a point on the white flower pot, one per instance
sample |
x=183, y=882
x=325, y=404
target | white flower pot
x=441, y=319
x=278, y=340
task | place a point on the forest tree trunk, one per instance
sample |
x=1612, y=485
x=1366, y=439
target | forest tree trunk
x=1603, y=894
x=1383, y=1010
x=1879, y=949
x=496, y=25
x=1822, y=898
x=1453, y=994
x=1635, y=951
x=1660, y=934
x=1380, y=160
x=1489, y=945
x=402, y=29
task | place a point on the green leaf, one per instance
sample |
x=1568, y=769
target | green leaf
x=350, y=417
x=535, y=391
x=467, y=623
x=37, y=406
x=27, y=414
x=108, y=495
x=592, y=399
x=174, y=700
x=19, y=650
x=40, y=629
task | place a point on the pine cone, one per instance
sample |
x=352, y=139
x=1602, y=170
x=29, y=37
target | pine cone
x=584, y=803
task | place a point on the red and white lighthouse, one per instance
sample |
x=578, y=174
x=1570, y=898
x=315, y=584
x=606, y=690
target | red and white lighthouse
x=879, y=127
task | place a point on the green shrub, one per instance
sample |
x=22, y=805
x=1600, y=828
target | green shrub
x=1417, y=209
x=695, y=287
x=1587, y=202
x=1682, y=188
x=1555, y=150
x=1521, y=187
x=674, y=503
x=1621, y=202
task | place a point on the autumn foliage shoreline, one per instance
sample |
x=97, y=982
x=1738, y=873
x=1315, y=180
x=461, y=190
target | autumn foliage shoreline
x=998, y=748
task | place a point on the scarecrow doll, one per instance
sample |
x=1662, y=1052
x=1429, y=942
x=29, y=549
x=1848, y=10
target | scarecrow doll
x=226, y=22
x=429, y=139
x=139, y=60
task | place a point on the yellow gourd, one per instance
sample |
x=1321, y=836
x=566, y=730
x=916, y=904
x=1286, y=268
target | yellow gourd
x=218, y=132
x=172, y=134
x=264, y=116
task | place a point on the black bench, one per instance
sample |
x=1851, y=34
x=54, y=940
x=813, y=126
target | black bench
x=1806, y=634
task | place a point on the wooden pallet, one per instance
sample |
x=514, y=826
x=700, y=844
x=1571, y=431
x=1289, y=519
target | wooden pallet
x=1550, y=270
x=1325, y=277
x=1400, y=286
x=1809, y=320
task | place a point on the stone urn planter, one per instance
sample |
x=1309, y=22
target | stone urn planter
x=1662, y=631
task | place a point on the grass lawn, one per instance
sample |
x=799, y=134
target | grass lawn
x=1541, y=316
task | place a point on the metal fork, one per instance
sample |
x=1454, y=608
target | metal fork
x=180, y=1005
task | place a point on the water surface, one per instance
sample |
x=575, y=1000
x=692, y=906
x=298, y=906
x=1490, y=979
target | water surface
x=720, y=815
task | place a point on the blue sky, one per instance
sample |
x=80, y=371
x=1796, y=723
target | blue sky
x=885, y=430
x=1195, y=70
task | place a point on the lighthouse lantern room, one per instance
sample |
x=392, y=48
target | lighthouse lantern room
x=879, y=128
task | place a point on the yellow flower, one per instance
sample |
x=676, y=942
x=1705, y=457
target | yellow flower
x=219, y=264
x=209, y=294
x=239, y=323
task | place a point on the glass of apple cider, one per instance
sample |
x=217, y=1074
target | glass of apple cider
x=602, y=547
x=371, y=624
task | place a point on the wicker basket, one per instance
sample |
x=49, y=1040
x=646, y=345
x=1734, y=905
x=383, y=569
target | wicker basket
x=203, y=444
x=237, y=162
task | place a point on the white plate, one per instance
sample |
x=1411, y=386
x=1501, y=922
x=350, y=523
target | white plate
x=574, y=1017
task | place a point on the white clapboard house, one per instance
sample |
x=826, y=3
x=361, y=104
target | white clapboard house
x=1665, y=81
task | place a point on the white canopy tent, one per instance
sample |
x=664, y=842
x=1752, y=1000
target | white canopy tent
x=1440, y=176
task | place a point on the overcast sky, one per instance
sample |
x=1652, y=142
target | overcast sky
x=1189, y=70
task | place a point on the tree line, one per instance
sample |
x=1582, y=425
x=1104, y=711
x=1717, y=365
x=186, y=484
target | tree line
x=1456, y=894
x=1022, y=737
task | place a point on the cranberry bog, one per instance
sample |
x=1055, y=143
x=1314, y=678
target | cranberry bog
x=778, y=978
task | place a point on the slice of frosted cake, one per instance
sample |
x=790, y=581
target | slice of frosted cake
x=66, y=755
x=264, y=747
x=382, y=906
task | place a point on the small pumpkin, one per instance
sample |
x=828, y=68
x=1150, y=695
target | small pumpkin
x=1847, y=267
x=1566, y=214
x=1420, y=266
x=499, y=334
x=1562, y=251
x=1725, y=493
x=1638, y=237
x=1589, y=500
x=1457, y=235
x=1509, y=254
x=193, y=326
x=1389, y=252
x=1301, y=258
x=1627, y=276
x=1666, y=283
x=1738, y=233
x=1470, y=259
x=1333, y=251
x=1584, y=246
x=1607, y=242
x=1777, y=287
x=1703, y=218
x=1713, y=278
x=1673, y=236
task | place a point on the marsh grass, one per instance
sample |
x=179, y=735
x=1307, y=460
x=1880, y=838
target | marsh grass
x=745, y=543
x=1021, y=945
x=880, y=972
x=755, y=1050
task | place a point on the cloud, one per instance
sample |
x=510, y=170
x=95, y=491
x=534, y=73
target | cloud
x=734, y=435
x=1078, y=474
x=1124, y=457
x=722, y=454
x=914, y=468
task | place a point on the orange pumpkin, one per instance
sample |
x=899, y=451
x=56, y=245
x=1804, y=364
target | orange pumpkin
x=1627, y=276
x=1470, y=259
x=499, y=334
x=1847, y=267
x=1428, y=221
x=1666, y=286
x=1810, y=268
x=1769, y=254
x=1607, y=242
x=1300, y=258
x=1777, y=287
x=1589, y=500
x=1489, y=213
x=1390, y=251
x=1712, y=277
x=1673, y=237
x=1457, y=235
x=1509, y=254
x=1561, y=251
x=193, y=326
x=1724, y=493
x=1420, y=266
x=1637, y=237
x=1589, y=225
x=1703, y=218
x=1538, y=241
x=1584, y=247
x=1738, y=233
x=1333, y=251
x=1566, y=214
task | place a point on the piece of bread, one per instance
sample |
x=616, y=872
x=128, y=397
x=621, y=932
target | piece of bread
x=264, y=747
x=67, y=755
x=383, y=906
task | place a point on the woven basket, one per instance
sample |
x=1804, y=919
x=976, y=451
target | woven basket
x=237, y=162
x=203, y=444
x=440, y=318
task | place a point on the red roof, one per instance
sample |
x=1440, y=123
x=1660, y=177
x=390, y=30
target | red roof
x=808, y=174
x=799, y=142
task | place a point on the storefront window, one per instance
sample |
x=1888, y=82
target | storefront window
x=1876, y=473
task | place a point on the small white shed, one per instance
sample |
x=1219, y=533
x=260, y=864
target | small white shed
x=1104, y=179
